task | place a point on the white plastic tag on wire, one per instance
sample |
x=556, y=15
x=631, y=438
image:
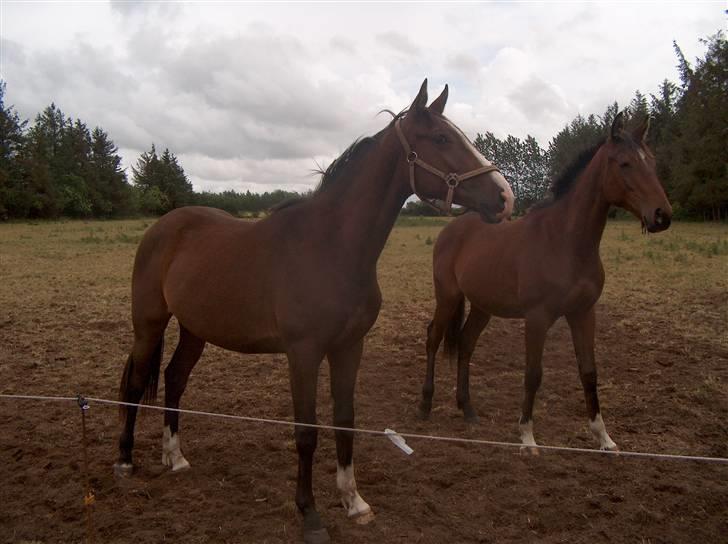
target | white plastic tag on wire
x=398, y=441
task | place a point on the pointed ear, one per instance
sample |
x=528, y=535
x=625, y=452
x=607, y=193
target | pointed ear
x=640, y=133
x=438, y=105
x=617, y=126
x=420, y=102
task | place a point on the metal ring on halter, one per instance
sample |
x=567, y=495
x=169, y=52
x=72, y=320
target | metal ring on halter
x=452, y=180
x=411, y=156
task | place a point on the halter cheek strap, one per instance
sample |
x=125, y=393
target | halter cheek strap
x=452, y=180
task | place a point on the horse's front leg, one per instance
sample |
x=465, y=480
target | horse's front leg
x=344, y=365
x=582, y=333
x=303, y=364
x=537, y=325
x=472, y=329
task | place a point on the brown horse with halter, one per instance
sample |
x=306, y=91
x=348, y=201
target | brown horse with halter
x=302, y=281
x=543, y=266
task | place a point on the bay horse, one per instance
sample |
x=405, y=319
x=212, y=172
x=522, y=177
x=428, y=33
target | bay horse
x=301, y=281
x=540, y=267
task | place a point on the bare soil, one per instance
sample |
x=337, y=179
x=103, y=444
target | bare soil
x=662, y=352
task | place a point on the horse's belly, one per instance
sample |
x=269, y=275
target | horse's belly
x=233, y=330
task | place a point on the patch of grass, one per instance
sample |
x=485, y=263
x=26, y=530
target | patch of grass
x=410, y=221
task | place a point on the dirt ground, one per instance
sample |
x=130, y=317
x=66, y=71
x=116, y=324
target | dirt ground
x=662, y=352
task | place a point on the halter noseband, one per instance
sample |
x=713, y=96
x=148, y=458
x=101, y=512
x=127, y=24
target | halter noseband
x=452, y=180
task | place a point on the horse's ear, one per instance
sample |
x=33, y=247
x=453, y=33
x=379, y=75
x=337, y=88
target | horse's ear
x=640, y=133
x=438, y=105
x=420, y=102
x=617, y=126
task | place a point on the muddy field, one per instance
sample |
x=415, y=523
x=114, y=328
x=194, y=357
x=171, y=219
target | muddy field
x=662, y=354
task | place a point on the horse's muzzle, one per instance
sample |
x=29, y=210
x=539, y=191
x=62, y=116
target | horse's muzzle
x=660, y=221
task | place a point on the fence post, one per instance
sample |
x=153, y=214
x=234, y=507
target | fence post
x=89, y=498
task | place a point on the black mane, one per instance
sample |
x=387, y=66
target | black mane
x=566, y=179
x=337, y=170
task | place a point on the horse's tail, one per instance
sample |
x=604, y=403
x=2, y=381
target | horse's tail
x=452, y=333
x=152, y=380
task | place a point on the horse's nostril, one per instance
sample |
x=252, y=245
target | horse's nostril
x=661, y=220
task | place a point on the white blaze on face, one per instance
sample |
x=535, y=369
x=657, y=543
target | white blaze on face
x=497, y=177
x=171, y=452
x=642, y=155
x=527, y=434
x=599, y=430
x=354, y=504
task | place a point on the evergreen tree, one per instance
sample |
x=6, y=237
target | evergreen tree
x=698, y=150
x=111, y=194
x=13, y=200
x=638, y=108
x=162, y=182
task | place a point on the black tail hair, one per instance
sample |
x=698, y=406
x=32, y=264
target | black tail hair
x=452, y=333
x=150, y=388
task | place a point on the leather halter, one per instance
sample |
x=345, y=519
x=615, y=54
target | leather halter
x=452, y=180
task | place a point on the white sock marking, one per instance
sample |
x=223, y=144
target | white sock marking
x=527, y=433
x=171, y=452
x=350, y=498
x=599, y=430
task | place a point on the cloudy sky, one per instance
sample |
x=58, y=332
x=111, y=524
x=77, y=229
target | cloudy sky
x=253, y=95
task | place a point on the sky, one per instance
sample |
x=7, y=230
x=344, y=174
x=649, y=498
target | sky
x=253, y=96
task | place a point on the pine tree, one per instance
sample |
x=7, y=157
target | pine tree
x=111, y=194
x=162, y=182
x=13, y=201
x=699, y=147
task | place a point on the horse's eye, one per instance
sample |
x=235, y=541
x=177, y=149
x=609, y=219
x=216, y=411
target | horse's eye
x=624, y=165
x=440, y=139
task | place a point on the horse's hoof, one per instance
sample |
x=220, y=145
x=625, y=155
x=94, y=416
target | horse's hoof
x=176, y=462
x=470, y=416
x=123, y=470
x=363, y=518
x=423, y=411
x=530, y=451
x=316, y=536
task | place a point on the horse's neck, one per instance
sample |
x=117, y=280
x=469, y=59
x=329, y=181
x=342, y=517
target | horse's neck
x=582, y=212
x=365, y=207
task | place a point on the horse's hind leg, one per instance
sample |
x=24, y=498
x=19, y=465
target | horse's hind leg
x=444, y=312
x=344, y=364
x=304, y=361
x=188, y=352
x=582, y=333
x=140, y=373
x=474, y=325
x=537, y=325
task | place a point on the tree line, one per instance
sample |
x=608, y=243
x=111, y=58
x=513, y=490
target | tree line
x=58, y=166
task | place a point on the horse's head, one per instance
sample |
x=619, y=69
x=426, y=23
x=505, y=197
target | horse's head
x=631, y=181
x=444, y=165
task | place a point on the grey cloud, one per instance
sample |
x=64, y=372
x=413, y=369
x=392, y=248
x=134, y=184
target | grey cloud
x=399, y=42
x=142, y=8
x=537, y=99
x=342, y=44
x=463, y=62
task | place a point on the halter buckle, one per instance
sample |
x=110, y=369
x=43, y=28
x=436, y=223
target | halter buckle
x=452, y=180
x=411, y=157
